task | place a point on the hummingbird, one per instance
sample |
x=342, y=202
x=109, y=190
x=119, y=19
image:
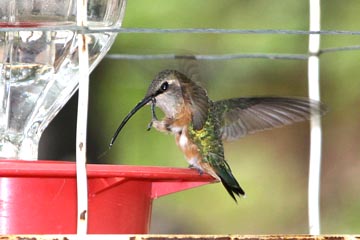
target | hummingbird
x=200, y=125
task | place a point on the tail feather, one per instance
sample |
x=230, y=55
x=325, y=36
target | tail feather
x=232, y=187
x=223, y=171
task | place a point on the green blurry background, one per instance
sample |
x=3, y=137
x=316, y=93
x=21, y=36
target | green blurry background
x=271, y=166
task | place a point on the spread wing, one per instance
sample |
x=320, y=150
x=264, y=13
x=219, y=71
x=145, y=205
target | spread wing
x=242, y=116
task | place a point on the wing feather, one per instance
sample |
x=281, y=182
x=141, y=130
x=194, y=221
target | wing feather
x=242, y=116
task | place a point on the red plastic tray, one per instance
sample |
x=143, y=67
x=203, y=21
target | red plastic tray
x=40, y=197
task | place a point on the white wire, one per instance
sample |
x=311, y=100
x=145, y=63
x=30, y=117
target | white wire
x=315, y=124
x=82, y=115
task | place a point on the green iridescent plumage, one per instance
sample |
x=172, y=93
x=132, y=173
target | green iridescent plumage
x=208, y=140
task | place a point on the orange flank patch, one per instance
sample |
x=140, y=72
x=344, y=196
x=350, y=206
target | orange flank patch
x=182, y=118
x=188, y=147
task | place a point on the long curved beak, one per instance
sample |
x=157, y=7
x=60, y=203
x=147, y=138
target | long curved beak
x=131, y=113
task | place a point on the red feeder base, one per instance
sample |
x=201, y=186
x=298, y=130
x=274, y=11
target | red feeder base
x=40, y=197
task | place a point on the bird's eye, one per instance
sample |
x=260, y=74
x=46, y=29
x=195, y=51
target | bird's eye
x=164, y=86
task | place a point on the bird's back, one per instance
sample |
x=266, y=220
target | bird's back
x=209, y=142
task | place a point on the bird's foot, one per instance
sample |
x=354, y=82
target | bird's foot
x=153, y=114
x=200, y=171
x=149, y=126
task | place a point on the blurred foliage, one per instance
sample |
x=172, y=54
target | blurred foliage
x=271, y=166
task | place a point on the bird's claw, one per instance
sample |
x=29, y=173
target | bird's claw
x=153, y=114
x=201, y=172
x=149, y=126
